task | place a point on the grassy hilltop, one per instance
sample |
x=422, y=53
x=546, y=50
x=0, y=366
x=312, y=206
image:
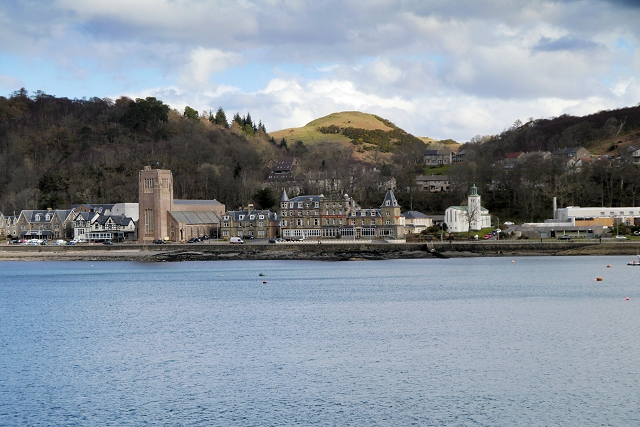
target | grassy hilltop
x=367, y=132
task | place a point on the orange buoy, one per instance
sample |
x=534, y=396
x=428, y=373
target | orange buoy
x=512, y=261
x=264, y=281
x=598, y=279
x=608, y=266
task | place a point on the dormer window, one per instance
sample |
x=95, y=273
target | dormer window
x=260, y=216
x=252, y=216
x=241, y=217
x=47, y=217
x=387, y=203
x=38, y=217
x=299, y=204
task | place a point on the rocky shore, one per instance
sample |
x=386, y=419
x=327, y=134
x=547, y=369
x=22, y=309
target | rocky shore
x=313, y=251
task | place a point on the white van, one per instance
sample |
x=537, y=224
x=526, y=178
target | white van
x=236, y=240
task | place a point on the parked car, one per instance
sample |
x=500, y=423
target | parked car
x=71, y=242
x=15, y=241
x=488, y=236
x=272, y=240
x=621, y=237
x=160, y=242
x=59, y=242
x=193, y=240
x=564, y=237
x=236, y=240
x=508, y=223
x=107, y=242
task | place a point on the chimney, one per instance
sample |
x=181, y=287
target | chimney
x=249, y=207
x=555, y=209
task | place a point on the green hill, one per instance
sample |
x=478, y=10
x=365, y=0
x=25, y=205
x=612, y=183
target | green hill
x=366, y=131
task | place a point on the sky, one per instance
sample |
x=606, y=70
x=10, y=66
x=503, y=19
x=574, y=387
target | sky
x=437, y=68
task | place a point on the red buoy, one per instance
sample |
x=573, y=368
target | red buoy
x=627, y=298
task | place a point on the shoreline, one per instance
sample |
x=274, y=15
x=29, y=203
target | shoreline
x=319, y=252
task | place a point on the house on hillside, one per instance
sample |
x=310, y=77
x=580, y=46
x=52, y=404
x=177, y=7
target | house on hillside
x=633, y=154
x=438, y=157
x=571, y=153
x=510, y=159
x=460, y=156
x=433, y=183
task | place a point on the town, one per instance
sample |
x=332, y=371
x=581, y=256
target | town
x=159, y=218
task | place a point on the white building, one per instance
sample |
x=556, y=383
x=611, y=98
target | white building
x=458, y=218
x=415, y=222
x=624, y=214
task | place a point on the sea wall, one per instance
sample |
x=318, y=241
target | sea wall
x=314, y=251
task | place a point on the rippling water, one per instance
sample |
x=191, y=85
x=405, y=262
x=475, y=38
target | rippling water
x=461, y=342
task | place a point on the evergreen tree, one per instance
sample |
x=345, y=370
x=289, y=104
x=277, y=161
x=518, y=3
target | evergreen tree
x=190, y=113
x=221, y=118
x=238, y=119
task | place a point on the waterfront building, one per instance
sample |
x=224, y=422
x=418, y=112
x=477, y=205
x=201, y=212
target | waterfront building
x=161, y=217
x=472, y=217
x=415, y=222
x=251, y=223
x=93, y=226
x=44, y=224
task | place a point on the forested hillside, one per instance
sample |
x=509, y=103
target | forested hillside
x=55, y=152
x=524, y=190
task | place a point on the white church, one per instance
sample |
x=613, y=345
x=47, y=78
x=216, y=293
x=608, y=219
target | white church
x=458, y=218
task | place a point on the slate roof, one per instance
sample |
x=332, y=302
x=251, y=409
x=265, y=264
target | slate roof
x=196, y=202
x=391, y=198
x=414, y=215
x=192, y=218
x=120, y=220
x=266, y=213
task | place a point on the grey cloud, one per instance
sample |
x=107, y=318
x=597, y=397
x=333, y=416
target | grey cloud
x=565, y=43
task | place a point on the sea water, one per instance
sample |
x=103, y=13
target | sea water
x=458, y=342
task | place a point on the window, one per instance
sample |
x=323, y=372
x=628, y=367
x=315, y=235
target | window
x=284, y=213
x=148, y=221
x=316, y=222
x=225, y=224
x=316, y=205
x=299, y=222
x=148, y=183
x=241, y=217
x=284, y=222
x=260, y=223
x=299, y=205
x=388, y=222
x=260, y=216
